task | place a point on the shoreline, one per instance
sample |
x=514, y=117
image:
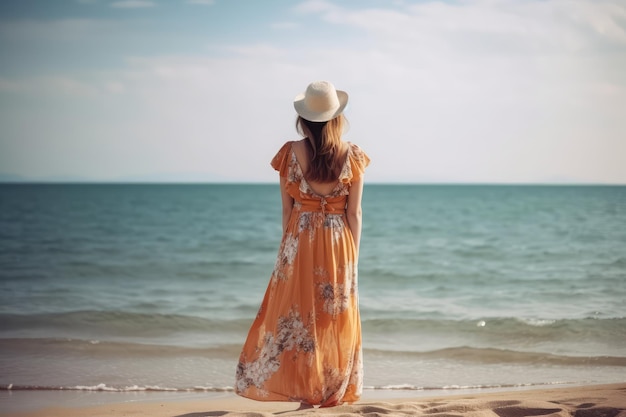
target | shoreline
x=607, y=400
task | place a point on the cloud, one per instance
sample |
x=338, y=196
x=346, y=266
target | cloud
x=285, y=25
x=115, y=87
x=260, y=50
x=316, y=6
x=201, y=2
x=10, y=86
x=535, y=25
x=132, y=4
x=474, y=91
x=509, y=90
x=50, y=86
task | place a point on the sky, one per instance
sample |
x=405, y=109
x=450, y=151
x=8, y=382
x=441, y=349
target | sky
x=465, y=91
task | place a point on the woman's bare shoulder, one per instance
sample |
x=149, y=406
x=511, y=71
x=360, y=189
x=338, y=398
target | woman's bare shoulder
x=299, y=147
x=298, y=143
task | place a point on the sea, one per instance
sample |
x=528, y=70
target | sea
x=148, y=288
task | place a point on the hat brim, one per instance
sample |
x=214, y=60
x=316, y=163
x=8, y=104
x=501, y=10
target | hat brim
x=301, y=108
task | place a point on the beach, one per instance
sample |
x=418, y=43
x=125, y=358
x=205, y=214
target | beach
x=577, y=401
x=136, y=294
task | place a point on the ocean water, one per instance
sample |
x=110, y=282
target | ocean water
x=113, y=287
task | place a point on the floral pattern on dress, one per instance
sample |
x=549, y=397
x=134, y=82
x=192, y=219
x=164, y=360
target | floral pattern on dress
x=310, y=221
x=292, y=334
x=285, y=258
x=320, y=271
x=356, y=376
x=306, y=222
x=335, y=297
x=350, y=276
x=335, y=382
x=336, y=223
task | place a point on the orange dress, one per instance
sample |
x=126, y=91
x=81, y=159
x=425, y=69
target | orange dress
x=305, y=343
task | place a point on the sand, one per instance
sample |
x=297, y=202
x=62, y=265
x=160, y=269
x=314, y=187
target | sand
x=579, y=401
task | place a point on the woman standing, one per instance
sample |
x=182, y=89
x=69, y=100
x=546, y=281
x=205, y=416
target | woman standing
x=305, y=343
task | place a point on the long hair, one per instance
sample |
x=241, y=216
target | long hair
x=324, y=144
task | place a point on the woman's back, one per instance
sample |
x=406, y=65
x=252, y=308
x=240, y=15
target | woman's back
x=302, y=156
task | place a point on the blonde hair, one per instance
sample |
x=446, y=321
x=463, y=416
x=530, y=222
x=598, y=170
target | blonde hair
x=324, y=140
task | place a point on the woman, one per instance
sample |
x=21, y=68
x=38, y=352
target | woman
x=305, y=343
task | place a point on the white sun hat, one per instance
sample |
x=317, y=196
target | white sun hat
x=320, y=102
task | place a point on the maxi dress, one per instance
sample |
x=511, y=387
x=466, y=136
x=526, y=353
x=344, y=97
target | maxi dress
x=305, y=342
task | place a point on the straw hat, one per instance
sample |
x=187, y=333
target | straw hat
x=320, y=102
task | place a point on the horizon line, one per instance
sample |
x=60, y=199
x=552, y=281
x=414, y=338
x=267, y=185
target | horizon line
x=425, y=183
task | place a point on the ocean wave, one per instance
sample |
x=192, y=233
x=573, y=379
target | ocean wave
x=111, y=388
x=410, y=387
x=113, y=349
x=119, y=323
x=177, y=329
x=502, y=356
x=156, y=388
x=123, y=322
x=53, y=347
x=609, y=330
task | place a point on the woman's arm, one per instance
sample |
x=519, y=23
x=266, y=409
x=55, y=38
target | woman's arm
x=287, y=202
x=354, y=213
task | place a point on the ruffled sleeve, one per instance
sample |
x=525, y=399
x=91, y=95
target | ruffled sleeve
x=357, y=162
x=280, y=162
